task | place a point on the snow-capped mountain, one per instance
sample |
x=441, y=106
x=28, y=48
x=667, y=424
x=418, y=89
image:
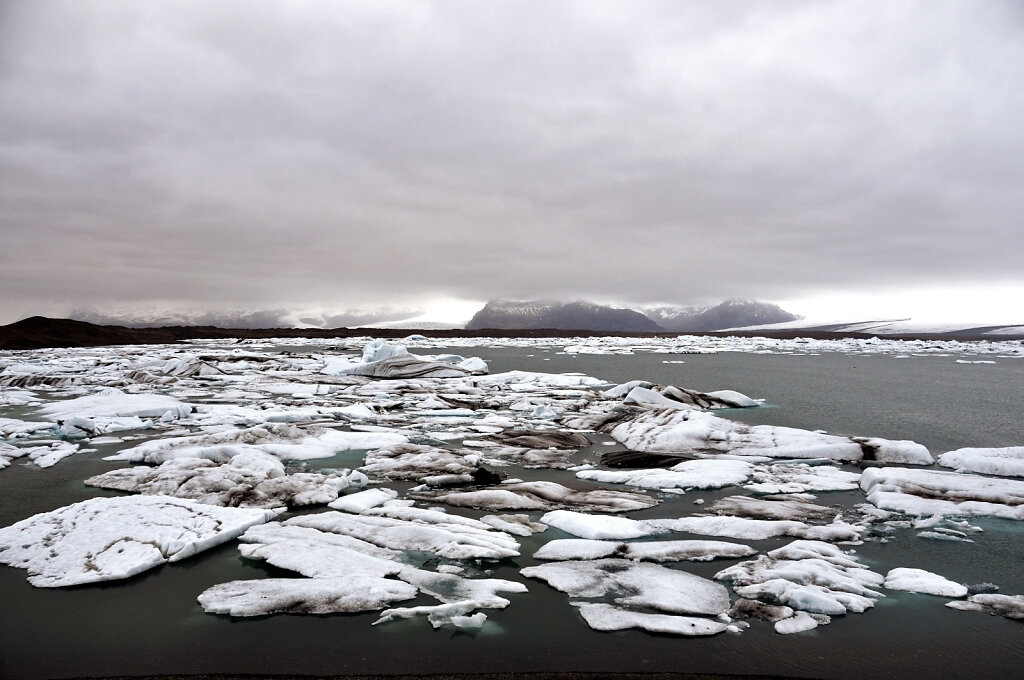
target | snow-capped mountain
x=732, y=313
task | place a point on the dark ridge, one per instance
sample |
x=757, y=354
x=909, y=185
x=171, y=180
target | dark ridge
x=556, y=675
x=38, y=332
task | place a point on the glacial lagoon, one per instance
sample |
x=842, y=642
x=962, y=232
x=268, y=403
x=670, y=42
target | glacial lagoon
x=944, y=396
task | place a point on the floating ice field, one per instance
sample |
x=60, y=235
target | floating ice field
x=221, y=441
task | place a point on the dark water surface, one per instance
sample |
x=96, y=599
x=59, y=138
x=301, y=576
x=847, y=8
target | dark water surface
x=151, y=624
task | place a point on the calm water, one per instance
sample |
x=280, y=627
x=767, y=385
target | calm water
x=151, y=624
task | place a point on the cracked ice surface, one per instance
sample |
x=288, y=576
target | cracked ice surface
x=104, y=539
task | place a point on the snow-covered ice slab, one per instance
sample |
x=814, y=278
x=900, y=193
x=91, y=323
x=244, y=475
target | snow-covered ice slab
x=112, y=402
x=363, y=500
x=800, y=478
x=540, y=495
x=1006, y=461
x=654, y=551
x=286, y=442
x=261, y=597
x=250, y=479
x=774, y=509
x=935, y=492
x=810, y=576
x=921, y=581
x=635, y=584
x=689, y=474
x=692, y=431
x=757, y=529
x=798, y=623
x=599, y=526
x=1010, y=606
x=608, y=617
x=104, y=539
x=446, y=537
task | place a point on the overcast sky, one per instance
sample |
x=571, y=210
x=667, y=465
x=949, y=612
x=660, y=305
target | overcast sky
x=354, y=155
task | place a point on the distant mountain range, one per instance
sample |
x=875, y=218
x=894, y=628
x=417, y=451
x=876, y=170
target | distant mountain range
x=534, y=314
x=512, y=315
x=265, y=318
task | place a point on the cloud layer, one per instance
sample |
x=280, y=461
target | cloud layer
x=263, y=154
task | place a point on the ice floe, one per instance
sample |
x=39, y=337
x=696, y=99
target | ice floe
x=104, y=539
x=921, y=581
x=692, y=431
x=249, y=479
x=599, y=526
x=1010, y=606
x=261, y=597
x=809, y=576
x=539, y=496
x=689, y=474
x=936, y=492
x=112, y=402
x=757, y=529
x=635, y=584
x=607, y=617
x=653, y=551
x=447, y=537
x=1006, y=461
x=283, y=441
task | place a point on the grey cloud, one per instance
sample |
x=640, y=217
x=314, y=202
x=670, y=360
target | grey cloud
x=265, y=155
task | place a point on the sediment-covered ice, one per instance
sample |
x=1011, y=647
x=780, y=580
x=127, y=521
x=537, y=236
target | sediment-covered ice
x=1006, y=461
x=1010, y=606
x=607, y=617
x=935, y=492
x=415, y=461
x=250, y=479
x=517, y=524
x=104, y=539
x=689, y=474
x=773, y=509
x=653, y=551
x=921, y=581
x=635, y=584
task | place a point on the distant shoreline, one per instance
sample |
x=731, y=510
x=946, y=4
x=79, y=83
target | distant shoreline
x=40, y=333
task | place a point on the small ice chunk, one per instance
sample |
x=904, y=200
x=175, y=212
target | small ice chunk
x=798, y=623
x=363, y=500
x=608, y=617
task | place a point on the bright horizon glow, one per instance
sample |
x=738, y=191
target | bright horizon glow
x=961, y=305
